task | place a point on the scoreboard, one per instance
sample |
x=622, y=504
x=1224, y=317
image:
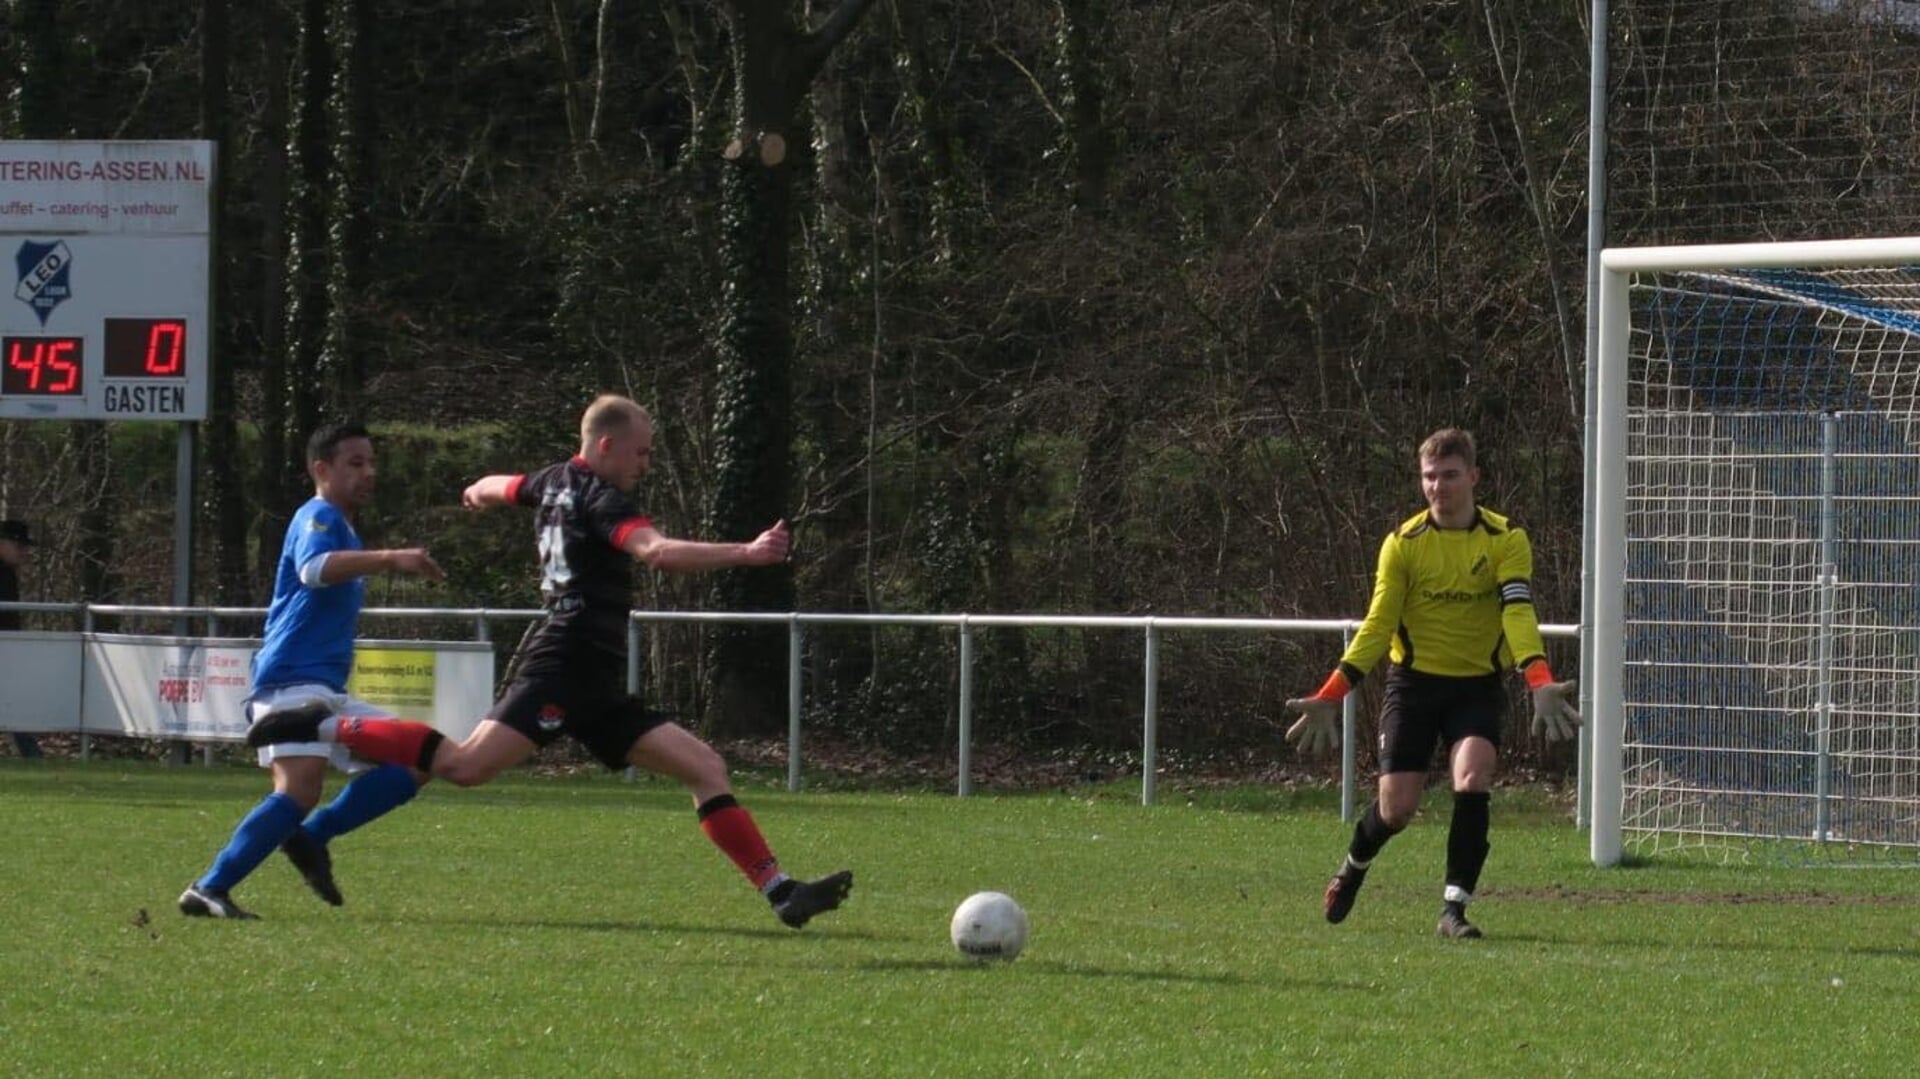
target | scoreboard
x=107, y=247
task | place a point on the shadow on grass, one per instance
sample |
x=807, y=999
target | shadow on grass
x=643, y=927
x=960, y=964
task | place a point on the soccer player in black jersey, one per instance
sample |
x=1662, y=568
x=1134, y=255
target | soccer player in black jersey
x=571, y=678
x=1452, y=608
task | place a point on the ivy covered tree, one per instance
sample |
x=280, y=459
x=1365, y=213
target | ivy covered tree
x=775, y=60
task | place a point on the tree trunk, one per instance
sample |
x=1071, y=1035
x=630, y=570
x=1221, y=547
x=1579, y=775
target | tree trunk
x=270, y=488
x=754, y=421
x=1082, y=25
x=773, y=63
x=307, y=246
x=226, y=496
x=350, y=113
x=43, y=68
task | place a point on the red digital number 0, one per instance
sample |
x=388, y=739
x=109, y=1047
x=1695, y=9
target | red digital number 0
x=166, y=344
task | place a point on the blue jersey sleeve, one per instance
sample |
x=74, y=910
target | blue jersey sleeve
x=324, y=531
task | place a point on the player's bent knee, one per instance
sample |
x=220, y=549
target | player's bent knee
x=1397, y=813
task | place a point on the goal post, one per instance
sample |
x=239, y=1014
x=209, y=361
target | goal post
x=1756, y=593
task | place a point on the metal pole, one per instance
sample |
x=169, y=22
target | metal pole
x=793, y=702
x=1150, y=715
x=206, y=748
x=1823, y=676
x=1596, y=242
x=86, y=632
x=1349, y=751
x=1606, y=719
x=183, y=477
x=633, y=656
x=633, y=676
x=966, y=708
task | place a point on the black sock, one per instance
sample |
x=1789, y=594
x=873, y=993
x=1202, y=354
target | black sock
x=428, y=748
x=1369, y=836
x=1467, y=840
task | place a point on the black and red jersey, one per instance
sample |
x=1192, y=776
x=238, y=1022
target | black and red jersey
x=586, y=578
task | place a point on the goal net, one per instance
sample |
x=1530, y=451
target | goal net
x=1757, y=537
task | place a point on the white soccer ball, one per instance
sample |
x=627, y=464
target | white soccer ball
x=989, y=925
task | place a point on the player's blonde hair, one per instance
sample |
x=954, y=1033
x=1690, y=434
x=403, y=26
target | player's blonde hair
x=1448, y=442
x=611, y=414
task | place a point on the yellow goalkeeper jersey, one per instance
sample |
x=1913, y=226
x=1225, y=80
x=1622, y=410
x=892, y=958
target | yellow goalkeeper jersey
x=1456, y=602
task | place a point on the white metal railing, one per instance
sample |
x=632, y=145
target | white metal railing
x=1150, y=626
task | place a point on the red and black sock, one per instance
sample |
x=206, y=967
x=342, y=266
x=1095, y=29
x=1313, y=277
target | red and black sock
x=731, y=828
x=390, y=741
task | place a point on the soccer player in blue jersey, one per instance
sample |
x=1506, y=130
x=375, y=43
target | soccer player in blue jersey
x=304, y=661
x=572, y=675
x=1452, y=610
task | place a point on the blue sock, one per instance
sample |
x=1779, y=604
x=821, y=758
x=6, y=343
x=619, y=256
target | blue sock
x=264, y=829
x=372, y=794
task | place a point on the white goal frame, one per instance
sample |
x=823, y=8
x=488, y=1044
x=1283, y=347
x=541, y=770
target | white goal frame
x=1607, y=726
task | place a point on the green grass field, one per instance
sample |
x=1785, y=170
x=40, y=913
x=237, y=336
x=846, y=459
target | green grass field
x=584, y=927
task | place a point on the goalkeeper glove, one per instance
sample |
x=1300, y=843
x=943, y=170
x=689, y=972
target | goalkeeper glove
x=1554, y=715
x=1318, y=728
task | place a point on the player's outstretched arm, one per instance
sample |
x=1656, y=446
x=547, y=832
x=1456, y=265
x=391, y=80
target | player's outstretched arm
x=488, y=491
x=412, y=561
x=693, y=556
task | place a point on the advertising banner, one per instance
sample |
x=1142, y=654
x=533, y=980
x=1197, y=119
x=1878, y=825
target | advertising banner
x=166, y=687
x=195, y=688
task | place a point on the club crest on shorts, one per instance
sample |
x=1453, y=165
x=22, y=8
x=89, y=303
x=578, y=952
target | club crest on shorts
x=551, y=716
x=44, y=282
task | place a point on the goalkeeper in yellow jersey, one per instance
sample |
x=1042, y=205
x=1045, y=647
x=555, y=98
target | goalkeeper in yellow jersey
x=1452, y=610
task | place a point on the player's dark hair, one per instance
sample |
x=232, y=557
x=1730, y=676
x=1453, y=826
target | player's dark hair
x=325, y=442
x=1448, y=442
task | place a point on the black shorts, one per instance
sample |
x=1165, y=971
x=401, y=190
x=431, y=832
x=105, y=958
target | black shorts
x=1419, y=711
x=598, y=712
